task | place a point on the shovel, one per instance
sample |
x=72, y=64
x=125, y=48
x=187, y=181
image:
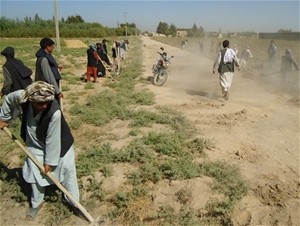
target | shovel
x=51, y=177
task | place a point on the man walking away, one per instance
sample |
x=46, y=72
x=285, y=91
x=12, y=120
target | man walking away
x=16, y=74
x=224, y=63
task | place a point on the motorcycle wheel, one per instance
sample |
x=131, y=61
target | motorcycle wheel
x=160, y=78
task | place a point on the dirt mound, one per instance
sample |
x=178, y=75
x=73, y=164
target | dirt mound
x=73, y=43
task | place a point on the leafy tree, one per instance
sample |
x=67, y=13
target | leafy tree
x=74, y=19
x=201, y=31
x=37, y=18
x=195, y=31
x=73, y=27
x=173, y=30
x=285, y=31
x=162, y=28
x=132, y=25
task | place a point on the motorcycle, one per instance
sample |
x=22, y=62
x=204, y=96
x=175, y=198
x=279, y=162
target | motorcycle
x=159, y=70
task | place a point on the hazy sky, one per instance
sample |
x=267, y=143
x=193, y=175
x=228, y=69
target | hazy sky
x=230, y=16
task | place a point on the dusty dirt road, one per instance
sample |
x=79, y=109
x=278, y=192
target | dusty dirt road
x=257, y=129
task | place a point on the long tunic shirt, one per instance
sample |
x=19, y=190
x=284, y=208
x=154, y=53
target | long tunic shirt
x=7, y=81
x=48, y=75
x=49, y=153
x=225, y=76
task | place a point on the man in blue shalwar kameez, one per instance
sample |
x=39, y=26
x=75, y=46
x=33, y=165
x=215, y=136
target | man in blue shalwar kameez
x=47, y=137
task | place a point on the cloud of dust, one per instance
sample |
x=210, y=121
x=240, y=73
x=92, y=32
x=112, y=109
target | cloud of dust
x=191, y=72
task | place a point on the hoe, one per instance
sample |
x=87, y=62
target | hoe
x=54, y=180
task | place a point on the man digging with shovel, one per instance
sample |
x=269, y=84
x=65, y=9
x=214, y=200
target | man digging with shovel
x=48, y=139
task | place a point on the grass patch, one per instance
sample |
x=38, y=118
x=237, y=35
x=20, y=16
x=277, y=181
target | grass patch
x=165, y=143
x=229, y=180
x=94, y=159
x=135, y=152
x=199, y=145
x=180, y=168
x=147, y=172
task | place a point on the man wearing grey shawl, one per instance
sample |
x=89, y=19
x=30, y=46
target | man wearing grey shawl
x=46, y=67
x=47, y=136
x=16, y=74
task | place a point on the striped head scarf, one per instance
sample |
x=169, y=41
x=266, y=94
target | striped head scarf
x=38, y=92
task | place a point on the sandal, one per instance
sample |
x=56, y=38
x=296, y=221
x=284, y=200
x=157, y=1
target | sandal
x=32, y=212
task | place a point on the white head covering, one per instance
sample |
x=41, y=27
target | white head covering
x=38, y=92
x=93, y=46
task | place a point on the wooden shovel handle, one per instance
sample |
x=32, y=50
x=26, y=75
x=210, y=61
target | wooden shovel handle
x=52, y=178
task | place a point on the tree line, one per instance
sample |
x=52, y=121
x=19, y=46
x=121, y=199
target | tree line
x=73, y=27
x=198, y=31
x=165, y=29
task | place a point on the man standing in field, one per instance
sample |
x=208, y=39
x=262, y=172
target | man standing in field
x=272, y=51
x=224, y=63
x=115, y=55
x=287, y=64
x=212, y=50
x=92, y=63
x=245, y=56
x=46, y=67
x=105, y=53
x=101, y=67
x=16, y=74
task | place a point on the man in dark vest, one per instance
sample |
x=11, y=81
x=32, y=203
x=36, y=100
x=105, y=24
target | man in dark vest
x=47, y=69
x=224, y=63
x=16, y=74
x=105, y=57
x=101, y=67
x=47, y=136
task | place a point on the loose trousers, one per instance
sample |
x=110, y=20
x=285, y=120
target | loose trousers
x=225, y=81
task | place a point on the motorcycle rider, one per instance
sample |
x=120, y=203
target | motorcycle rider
x=159, y=69
x=163, y=59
